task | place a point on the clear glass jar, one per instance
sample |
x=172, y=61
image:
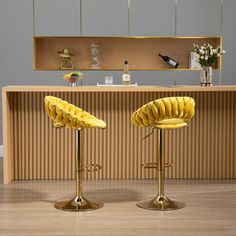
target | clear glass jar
x=206, y=75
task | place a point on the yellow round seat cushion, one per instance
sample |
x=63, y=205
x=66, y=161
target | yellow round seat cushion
x=66, y=114
x=165, y=113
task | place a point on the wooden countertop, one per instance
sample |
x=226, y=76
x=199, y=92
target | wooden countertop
x=121, y=88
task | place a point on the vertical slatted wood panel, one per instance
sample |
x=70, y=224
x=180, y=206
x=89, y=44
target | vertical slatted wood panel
x=204, y=149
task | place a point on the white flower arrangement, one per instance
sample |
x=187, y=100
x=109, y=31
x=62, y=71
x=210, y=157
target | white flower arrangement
x=206, y=54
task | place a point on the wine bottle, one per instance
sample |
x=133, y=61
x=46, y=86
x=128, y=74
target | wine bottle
x=169, y=61
x=126, y=74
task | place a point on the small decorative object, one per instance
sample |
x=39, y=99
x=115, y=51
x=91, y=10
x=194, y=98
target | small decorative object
x=94, y=54
x=109, y=80
x=193, y=61
x=73, y=78
x=66, y=61
x=207, y=56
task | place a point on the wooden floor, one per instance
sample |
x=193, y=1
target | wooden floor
x=26, y=208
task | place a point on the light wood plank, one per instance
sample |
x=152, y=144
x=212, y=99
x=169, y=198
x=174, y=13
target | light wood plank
x=119, y=88
x=7, y=140
x=27, y=208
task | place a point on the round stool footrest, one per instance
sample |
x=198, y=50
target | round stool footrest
x=154, y=165
x=90, y=167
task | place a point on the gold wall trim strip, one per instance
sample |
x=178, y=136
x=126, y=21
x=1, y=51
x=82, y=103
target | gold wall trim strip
x=131, y=37
x=221, y=41
x=33, y=17
x=81, y=19
x=176, y=2
x=129, y=16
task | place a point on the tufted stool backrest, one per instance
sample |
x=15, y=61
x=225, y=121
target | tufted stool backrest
x=165, y=113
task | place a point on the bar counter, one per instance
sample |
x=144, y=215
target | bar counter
x=33, y=149
x=119, y=88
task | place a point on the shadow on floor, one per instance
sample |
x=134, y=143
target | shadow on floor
x=104, y=195
x=20, y=195
x=114, y=195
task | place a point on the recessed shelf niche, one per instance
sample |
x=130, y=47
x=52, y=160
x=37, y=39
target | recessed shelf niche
x=141, y=52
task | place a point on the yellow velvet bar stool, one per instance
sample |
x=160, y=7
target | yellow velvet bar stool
x=65, y=114
x=165, y=113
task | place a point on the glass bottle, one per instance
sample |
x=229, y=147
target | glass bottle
x=126, y=78
x=169, y=61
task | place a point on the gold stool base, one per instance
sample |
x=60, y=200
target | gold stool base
x=78, y=204
x=161, y=203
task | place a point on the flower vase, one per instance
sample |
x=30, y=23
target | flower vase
x=206, y=76
x=72, y=82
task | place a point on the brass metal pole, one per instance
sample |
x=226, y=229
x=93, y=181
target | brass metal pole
x=78, y=168
x=161, y=202
x=161, y=164
x=79, y=202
